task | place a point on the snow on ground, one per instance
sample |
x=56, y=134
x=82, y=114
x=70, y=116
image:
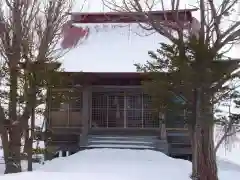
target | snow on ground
x=119, y=164
x=231, y=154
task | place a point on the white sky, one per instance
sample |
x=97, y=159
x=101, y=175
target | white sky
x=116, y=49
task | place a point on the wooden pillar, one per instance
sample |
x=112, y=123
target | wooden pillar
x=163, y=131
x=47, y=124
x=163, y=126
x=85, y=114
x=125, y=122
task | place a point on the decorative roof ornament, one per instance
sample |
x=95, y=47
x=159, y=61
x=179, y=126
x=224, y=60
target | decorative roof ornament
x=72, y=35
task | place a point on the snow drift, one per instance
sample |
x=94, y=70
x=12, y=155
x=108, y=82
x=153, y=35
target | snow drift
x=117, y=164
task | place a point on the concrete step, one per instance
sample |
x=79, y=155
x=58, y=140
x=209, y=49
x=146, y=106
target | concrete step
x=126, y=142
x=122, y=138
x=123, y=132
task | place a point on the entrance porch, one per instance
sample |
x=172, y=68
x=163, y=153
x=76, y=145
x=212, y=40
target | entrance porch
x=108, y=110
x=122, y=108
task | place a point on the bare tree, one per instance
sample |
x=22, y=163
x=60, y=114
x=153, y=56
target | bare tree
x=216, y=31
x=29, y=44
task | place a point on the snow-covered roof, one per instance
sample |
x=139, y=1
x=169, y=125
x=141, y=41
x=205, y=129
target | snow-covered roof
x=112, y=47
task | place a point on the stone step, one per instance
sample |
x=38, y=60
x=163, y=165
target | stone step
x=128, y=142
x=138, y=138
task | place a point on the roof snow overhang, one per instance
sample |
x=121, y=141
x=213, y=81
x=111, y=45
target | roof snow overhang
x=130, y=17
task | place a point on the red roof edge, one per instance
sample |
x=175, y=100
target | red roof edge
x=128, y=17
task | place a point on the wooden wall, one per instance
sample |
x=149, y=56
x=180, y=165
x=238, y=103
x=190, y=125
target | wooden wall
x=65, y=118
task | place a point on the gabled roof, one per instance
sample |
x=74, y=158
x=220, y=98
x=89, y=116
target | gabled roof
x=129, y=17
x=100, y=78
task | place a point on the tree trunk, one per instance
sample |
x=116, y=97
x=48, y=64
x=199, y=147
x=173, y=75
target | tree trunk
x=194, y=153
x=206, y=157
x=25, y=135
x=192, y=132
x=5, y=145
x=13, y=165
x=206, y=164
x=4, y=134
x=30, y=141
x=32, y=99
x=14, y=156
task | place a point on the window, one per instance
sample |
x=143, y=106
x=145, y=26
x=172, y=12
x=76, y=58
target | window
x=123, y=109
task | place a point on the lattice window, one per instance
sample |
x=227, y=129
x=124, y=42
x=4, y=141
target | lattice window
x=55, y=100
x=123, y=109
x=147, y=102
x=99, y=109
x=150, y=115
x=65, y=108
x=134, y=101
x=107, y=109
x=116, y=100
x=62, y=100
x=151, y=119
x=134, y=110
x=116, y=109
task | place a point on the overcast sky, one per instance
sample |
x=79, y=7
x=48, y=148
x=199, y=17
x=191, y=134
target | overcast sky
x=114, y=48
